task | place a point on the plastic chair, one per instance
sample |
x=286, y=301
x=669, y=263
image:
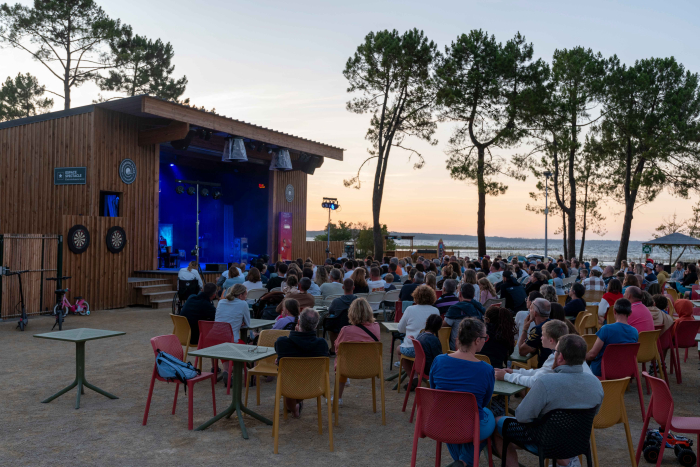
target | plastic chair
x=620, y=361
x=590, y=340
x=360, y=360
x=649, y=351
x=673, y=293
x=256, y=294
x=444, y=336
x=559, y=434
x=610, y=315
x=171, y=344
x=585, y=321
x=183, y=332
x=417, y=369
x=694, y=295
x=213, y=333
x=266, y=366
x=375, y=299
x=483, y=358
x=303, y=378
x=400, y=307
x=501, y=302
x=593, y=296
x=661, y=410
x=561, y=299
x=683, y=338
x=447, y=417
x=612, y=412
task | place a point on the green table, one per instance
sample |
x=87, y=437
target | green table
x=261, y=323
x=516, y=357
x=390, y=326
x=504, y=388
x=79, y=336
x=239, y=354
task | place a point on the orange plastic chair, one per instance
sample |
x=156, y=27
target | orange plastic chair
x=360, y=360
x=266, y=366
x=183, y=332
x=585, y=321
x=444, y=336
x=590, y=340
x=661, y=410
x=171, y=344
x=448, y=417
x=620, y=361
x=649, y=351
x=303, y=378
x=612, y=412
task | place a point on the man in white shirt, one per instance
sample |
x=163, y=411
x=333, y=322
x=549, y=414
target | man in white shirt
x=335, y=287
x=496, y=274
x=595, y=267
x=349, y=268
x=552, y=331
x=376, y=283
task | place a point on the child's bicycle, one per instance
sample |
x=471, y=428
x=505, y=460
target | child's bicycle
x=63, y=306
x=682, y=447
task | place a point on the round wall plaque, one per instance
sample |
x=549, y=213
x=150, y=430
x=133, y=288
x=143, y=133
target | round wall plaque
x=127, y=171
x=116, y=239
x=289, y=193
x=78, y=239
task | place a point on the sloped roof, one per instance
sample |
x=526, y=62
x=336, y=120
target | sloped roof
x=674, y=239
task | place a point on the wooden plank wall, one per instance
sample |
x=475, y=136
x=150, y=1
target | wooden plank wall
x=317, y=251
x=32, y=204
x=278, y=203
x=172, y=278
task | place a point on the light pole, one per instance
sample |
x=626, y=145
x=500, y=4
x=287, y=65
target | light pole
x=547, y=174
x=331, y=204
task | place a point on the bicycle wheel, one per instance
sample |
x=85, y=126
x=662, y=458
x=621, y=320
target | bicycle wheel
x=83, y=309
x=60, y=312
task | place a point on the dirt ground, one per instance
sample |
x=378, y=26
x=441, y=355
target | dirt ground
x=109, y=432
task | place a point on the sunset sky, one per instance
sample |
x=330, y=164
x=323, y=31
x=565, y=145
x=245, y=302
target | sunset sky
x=279, y=64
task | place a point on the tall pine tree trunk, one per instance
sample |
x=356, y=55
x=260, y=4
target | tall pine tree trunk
x=481, y=213
x=584, y=227
x=626, y=228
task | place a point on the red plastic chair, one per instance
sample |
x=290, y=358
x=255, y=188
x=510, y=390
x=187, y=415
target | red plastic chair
x=620, y=361
x=447, y=417
x=684, y=338
x=695, y=292
x=418, y=368
x=171, y=344
x=661, y=410
x=213, y=333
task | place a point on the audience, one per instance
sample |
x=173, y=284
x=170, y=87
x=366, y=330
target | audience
x=513, y=293
x=659, y=314
x=467, y=307
x=334, y=287
x=430, y=343
x=531, y=341
x=277, y=281
x=619, y=332
x=289, y=315
x=567, y=387
x=577, y=304
x=486, y=290
x=301, y=293
x=521, y=315
x=190, y=273
x=376, y=283
x=448, y=297
x=640, y=318
x=556, y=311
x=549, y=293
x=462, y=371
x=233, y=309
x=302, y=342
x=595, y=282
x=557, y=281
x=406, y=294
x=495, y=272
x=314, y=289
x=501, y=330
x=613, y=294
x=338, y=310
x=361, y=328
x=253, y=280
x=413, y=321
x=200, y=308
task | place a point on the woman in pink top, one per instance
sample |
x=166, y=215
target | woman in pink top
x=641, y=318
x=362, y=328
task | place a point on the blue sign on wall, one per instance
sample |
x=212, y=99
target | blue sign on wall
x=69, y=176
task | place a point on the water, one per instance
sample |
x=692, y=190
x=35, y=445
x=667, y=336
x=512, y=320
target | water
x=604, y=250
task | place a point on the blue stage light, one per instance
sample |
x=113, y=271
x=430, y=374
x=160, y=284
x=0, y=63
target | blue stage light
x=172, y=165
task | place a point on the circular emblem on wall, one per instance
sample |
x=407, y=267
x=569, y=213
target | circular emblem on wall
x=127, y=171
x=116, y=239
x=289, y=193
x=78, y=239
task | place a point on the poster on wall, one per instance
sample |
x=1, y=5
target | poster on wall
x=284, y=235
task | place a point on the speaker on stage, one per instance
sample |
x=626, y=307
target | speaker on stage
x=309, y=163
x=215, y=267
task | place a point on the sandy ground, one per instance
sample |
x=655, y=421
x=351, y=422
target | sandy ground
x=109, y=432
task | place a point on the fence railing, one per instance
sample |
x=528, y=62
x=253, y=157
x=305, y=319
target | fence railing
x=39, y=256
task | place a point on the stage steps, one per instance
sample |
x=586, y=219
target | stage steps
x=157, y=293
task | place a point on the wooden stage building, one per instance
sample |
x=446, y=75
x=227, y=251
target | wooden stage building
x=107, y=178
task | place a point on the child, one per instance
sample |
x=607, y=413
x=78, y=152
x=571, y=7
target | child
x=552, y=331
x=617, y=333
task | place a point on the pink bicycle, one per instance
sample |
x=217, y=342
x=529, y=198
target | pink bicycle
x=63, y=306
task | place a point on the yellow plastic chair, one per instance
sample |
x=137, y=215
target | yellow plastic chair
x=183, y=332
x=673, y=294
x=593, y=309
x=610, y=315
x=267, y=366
x=590, y=340
x=593, y=296
x=483, y=358
x=584, y=321
x=562, y=299
x=649, y=351
x=303, y=378
x=444, y=336
x=360, y=360
x=672, y=310
x=612, y=412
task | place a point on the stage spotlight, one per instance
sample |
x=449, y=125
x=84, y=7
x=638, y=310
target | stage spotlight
x=191, y=191
x=180, y=189
x=217, y=194
x=204, y=192
x=172, y=165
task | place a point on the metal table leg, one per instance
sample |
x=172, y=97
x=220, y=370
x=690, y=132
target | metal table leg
x=236, y=404
x=80, y=380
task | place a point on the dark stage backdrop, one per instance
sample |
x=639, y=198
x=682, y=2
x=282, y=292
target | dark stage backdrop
x=240, y=212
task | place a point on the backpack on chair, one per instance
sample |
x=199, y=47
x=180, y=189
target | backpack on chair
x=170, y=368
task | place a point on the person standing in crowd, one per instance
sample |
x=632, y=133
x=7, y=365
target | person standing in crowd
x=191, y=273
x=302, y=342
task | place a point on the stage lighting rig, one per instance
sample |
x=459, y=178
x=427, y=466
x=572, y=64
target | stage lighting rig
x=180, y=190
x=331, y=204
x=191, y=191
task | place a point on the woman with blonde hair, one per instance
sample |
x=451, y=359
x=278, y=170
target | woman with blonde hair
x=233, y=309
x=486, y=290
x=470, y=277
x=321, y=276
x=190, y=273
x=362, y=328
x=413, y=321
x=631, y=280
x=431, y=280
x=359, y=277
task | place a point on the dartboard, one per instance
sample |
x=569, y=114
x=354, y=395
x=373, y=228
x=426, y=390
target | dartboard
x=78, y=239
x=289, y=193
x=127, y=171
x=116, y=239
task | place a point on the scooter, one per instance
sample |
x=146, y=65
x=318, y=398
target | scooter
x=22, y=323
